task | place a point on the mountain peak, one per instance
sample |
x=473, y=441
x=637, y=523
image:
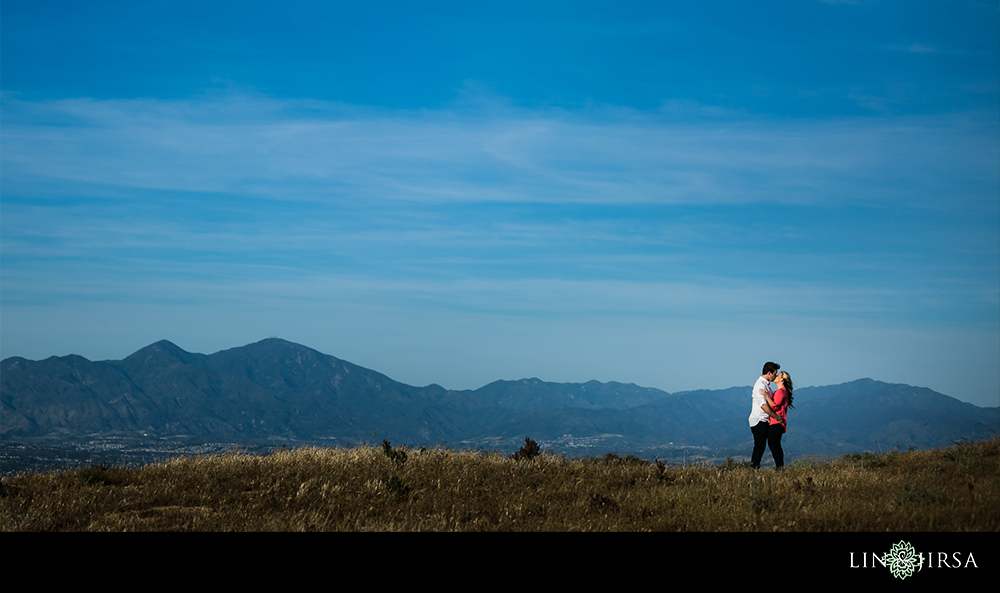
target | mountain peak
x=277, y=341
x=166, y=345
x=270, y=347
x=162, y=346
x=160, y=353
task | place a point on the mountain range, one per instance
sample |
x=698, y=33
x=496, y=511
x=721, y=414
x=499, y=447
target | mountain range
x=278, y=391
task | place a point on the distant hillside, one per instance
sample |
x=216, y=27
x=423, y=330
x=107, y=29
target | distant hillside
x=272, y=389
x=278, y=391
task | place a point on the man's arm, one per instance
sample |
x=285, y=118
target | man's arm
x=767, y=398
x=767, y=410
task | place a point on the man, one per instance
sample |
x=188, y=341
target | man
x=758, y=415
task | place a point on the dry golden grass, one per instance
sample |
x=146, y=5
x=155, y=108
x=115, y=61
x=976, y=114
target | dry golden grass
x=364, y=489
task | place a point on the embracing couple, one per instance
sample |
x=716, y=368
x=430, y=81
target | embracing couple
x=767, y=416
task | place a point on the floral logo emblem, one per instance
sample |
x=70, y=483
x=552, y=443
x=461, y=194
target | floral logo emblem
x=902, y=560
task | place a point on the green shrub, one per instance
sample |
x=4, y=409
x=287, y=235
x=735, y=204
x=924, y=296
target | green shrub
x=397, y=455
x=529, y=450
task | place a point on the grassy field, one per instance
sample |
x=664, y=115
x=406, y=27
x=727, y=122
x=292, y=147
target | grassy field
x=395, y=489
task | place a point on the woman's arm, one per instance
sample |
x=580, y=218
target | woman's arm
x=767, y=396
x=770, y=412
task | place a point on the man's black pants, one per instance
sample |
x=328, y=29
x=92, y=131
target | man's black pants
x=759, y=431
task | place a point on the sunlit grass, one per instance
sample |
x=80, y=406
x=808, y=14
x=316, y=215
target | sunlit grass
x=371, y=489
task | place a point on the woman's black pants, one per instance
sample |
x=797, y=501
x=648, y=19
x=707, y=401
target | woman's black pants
x=774, y=433
x=767, y=436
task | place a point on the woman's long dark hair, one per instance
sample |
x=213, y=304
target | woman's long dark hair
x=787, y=384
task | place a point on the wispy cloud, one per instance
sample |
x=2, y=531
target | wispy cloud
x=290, y=150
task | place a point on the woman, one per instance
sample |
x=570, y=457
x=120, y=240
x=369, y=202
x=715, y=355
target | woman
x=777, y=408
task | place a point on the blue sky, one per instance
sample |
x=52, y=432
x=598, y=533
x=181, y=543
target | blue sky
x=665, y=194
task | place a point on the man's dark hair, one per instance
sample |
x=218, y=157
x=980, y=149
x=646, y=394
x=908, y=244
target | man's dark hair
x=770, y=367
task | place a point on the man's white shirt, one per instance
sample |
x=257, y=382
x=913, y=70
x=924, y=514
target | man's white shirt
x=756, y=412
